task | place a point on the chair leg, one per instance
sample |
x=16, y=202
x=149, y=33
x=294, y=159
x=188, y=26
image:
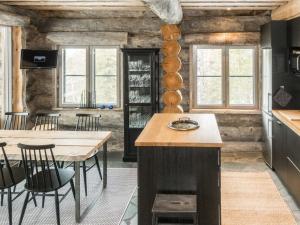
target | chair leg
x=84, y=177
x=2, y=197
x=72, y=187
x=34, y=199
x=19, y=165
x=24, y=208
x=57, y=208
x=98, y=166
x=61, y=165
x=196, y=220
x=9, y=203
x=43, y=200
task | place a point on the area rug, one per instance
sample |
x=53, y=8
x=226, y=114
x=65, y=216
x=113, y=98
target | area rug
x=251, y=198
x=104, y=207
x=248, y=198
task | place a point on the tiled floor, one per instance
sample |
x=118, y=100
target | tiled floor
x=230, y=162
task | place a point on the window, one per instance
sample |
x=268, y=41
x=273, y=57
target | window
x=225, y=77
x=89, y=75
x=5, y=69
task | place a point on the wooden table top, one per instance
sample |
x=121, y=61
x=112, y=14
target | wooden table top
x=290, y=118
x=69, y=145
x=157, y=133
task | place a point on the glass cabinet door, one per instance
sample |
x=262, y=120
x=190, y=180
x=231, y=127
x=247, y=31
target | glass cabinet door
x=139, y=78
x=139, y=116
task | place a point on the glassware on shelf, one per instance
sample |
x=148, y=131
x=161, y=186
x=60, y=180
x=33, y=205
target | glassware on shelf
x=140, y=81
x=138, y=65
x=138, y=120
x=135, y=96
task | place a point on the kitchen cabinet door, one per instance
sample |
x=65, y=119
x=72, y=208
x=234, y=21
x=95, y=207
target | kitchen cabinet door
x=293, y=147
x=294, y=32
x=279, y=152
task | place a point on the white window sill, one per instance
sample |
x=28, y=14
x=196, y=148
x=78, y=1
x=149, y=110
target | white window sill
x=86, y=110
x=227, y=111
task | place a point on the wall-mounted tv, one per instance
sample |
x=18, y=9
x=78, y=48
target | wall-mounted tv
x=38, y=59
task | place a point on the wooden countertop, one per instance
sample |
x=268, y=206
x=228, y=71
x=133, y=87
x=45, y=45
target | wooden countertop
x=290, y=118
x=157, y=133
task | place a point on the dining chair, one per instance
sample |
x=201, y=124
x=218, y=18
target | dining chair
x=42, y=178
x=15, y=120
x=88, y=122
x=9, y=177
x=47, y=121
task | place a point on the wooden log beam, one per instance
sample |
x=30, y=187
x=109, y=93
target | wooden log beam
x=17, y=78
x=88, y=38
x=12, y=19
x=223, y=38
x=170, y=11
x=171, y=65
x=288, y=11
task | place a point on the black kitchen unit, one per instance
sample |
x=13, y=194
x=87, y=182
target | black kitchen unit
x=286, y=156
x=141, y=94
x=275, y=72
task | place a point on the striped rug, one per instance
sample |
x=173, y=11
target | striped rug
x=251, y=198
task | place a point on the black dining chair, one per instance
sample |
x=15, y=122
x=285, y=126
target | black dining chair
x=42, y=178
x=9, y=177
x=88, y=122
x=47, y=121
x=15, y=120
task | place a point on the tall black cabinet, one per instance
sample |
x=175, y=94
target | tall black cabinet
x=141, y=94
x=274, y=51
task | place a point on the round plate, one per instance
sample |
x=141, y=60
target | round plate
x=184, y=124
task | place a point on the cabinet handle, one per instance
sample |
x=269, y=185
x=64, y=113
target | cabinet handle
x=296, y=167
x=269, y=97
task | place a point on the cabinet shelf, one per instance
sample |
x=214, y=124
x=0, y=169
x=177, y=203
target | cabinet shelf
x=140, y=102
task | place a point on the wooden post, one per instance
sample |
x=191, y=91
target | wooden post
x=17, y=78
x=172, y=80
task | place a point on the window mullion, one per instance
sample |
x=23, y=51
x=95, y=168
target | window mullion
x=226, y=78
x=88, y=77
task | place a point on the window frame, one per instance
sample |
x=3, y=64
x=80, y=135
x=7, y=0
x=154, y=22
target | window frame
x=7, y=70
x=225, y=79
x=90, y=72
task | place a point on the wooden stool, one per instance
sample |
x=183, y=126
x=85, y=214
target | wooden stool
x=174, y=206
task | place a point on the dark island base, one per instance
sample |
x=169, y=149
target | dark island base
x=179, y=170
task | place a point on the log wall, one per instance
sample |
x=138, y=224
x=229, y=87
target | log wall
x=144, y=32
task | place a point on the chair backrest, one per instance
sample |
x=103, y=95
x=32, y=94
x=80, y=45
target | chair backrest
x=7, y=166
x=47, y=121
x=15, y=120
x=88, y=122
x=39, y=159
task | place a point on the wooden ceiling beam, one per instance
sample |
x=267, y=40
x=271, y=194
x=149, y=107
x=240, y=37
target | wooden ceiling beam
x=129, y=4
x=76, y=8
x=288, y=11
x=163, y=8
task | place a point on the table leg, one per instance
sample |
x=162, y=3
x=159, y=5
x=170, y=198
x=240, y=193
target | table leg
x=105, y=165
x=77, y=191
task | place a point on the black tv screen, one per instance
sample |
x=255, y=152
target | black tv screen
x=38, y=59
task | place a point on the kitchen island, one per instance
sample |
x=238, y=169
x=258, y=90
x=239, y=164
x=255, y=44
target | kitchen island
x=180, y=162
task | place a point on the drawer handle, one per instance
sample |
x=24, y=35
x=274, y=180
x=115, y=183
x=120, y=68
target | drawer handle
x=293, y=164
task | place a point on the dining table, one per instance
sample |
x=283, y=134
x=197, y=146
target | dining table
x=70, y=146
